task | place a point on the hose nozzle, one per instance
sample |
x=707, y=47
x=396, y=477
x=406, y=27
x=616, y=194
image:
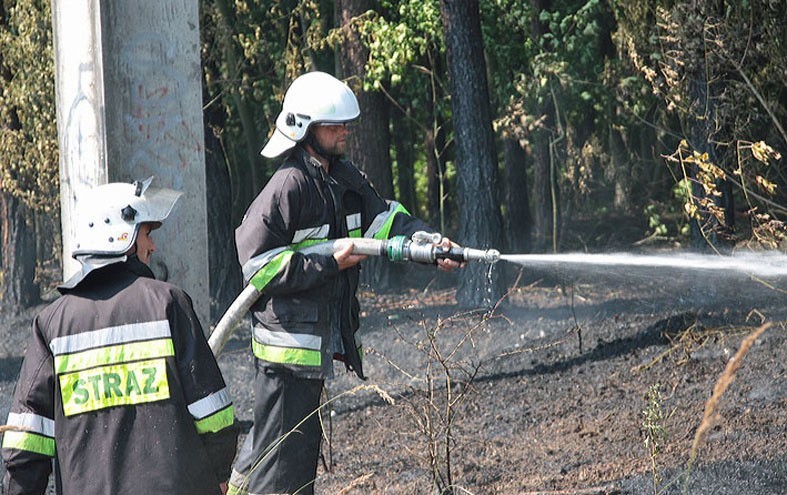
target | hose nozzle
x=424, y=249
x=487, y=256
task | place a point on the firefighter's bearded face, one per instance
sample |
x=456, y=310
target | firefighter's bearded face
x=332, y=138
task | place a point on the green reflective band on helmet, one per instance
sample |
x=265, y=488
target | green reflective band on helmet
x=216, y=421
x=385, y=230
x=118, y=385
x=286, y=355
x=267, y=272
x=30, y=442
x=121, y=353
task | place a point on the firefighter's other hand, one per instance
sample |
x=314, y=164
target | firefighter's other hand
x=445, y=264
x=223, y=487
x=346, y=259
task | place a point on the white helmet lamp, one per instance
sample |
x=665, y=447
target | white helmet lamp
x=109, y=216
x=312, y=98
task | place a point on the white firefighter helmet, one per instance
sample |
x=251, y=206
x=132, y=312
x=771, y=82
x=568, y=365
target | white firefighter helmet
x=109, y=216
x=312, y=98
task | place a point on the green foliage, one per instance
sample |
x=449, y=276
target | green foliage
x=406, y=62
x=28, y=137
x=252, y=50
x=560, y=76
x=721, y=66
x=654, y=430
x=401, y=38
x=655, y=222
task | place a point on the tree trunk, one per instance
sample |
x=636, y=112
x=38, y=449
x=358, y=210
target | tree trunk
x=434, y=143
x=620, y=161
x=370, y=139
x=703, y=229
x=224, y=277
x=476, y=158
x=403, y=138
x=247, y=174
x=435, y=148
x=543, y=189
x=700, y=122
x=19, y=289
x=545, y=206
x=518, y=221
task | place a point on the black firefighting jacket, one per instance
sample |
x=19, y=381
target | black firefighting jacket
x=308, y=311
x=120, y=389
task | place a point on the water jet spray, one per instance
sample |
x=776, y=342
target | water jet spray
x=425, y=247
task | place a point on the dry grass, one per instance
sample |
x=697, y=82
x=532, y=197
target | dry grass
x=711, y=418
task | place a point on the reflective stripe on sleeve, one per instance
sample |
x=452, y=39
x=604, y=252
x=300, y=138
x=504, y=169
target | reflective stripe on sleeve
x=307, y=243
x=300, y=239
x=109, y=336
x=33, y=423
x=213, y=413
x=30, y=442
x=263, y=276
x=216, y=421
x=381, y=225
x=256, y=263
x=210, y=404
x=320, y=232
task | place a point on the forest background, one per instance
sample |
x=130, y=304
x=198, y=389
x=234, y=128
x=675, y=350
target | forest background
x=528, y=126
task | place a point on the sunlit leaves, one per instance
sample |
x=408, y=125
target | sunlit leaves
x=763, y=152
x=28, y=137
x=400, y=40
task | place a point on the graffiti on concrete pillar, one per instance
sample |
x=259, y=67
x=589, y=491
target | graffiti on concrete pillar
x=158, y=126
x=82, y=139
x=82, y=154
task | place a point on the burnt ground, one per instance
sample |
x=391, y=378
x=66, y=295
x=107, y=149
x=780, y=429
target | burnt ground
x=548, y=389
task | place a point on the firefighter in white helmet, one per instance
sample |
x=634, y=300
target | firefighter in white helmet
x=308, y=313
x=118, y=385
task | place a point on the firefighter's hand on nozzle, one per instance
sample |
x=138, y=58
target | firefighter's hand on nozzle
x=445, y=264
x=346, y=259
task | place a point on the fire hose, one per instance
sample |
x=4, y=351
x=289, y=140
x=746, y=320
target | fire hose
x=423, y=247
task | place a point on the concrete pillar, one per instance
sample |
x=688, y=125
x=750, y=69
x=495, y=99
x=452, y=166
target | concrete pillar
x=129, y=105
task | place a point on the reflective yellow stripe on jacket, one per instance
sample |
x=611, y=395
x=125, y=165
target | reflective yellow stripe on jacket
x=113, y=366
x=380, y=227
x=214, y=412
x=35, y=433
x=286, y=347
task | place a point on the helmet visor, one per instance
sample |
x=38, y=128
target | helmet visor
x=277, y=144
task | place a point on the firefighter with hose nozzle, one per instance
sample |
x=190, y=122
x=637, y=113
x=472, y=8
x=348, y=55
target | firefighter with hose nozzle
x=308, y=313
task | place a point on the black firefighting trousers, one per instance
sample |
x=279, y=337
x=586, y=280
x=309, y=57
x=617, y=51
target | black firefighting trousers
x=280, y=453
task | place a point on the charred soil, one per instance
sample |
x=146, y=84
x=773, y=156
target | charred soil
x=552, y=391
x=549, y=392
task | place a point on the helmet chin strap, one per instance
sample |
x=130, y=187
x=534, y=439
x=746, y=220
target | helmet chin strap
x=312, y=141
